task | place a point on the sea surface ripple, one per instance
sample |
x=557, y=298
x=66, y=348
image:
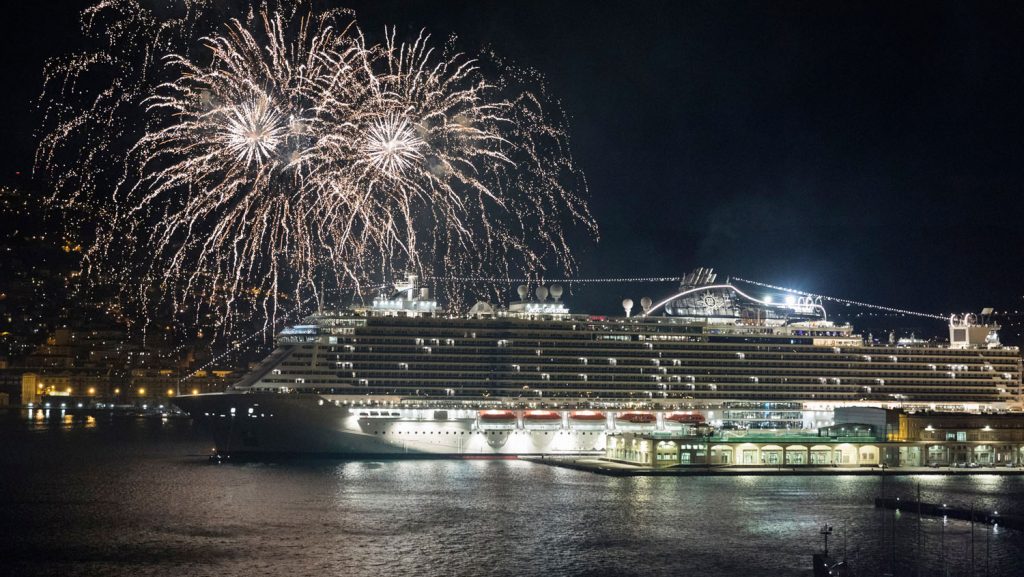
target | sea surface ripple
x=93, y=494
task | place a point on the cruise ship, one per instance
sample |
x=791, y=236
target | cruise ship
x=400, y=376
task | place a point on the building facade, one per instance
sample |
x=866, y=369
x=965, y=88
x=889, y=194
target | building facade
x=892, y=438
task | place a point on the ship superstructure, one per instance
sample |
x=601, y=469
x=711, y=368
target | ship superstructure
x=400, y=375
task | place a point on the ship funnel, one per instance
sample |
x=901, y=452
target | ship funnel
x=556, y=291
x=627, y=305
x=523, y=291
x=542, y=293
x=424, y=293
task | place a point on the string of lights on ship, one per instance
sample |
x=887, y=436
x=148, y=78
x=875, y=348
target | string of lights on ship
x=884, y=311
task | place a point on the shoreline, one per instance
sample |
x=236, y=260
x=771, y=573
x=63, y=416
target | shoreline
x=616, y=469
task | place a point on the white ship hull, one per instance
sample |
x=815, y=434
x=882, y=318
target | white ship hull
x=307, y=424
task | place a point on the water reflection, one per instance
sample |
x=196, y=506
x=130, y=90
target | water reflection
x=125, y=496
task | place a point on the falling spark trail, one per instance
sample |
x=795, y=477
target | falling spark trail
x=247, y=159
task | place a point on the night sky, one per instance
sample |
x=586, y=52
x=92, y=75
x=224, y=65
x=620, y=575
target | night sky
x=868, y=151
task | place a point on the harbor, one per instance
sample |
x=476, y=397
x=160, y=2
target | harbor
x=152, y=506
x=604, y=466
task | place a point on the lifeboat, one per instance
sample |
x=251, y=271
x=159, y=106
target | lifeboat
x=636, y=420
x=542, y=420
x=497, y=416
x=685, y=418
x=587, y=416
x=493, y=419
x=587, y=420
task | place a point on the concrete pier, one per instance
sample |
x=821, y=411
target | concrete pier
x=613, y=468
x=943, y=510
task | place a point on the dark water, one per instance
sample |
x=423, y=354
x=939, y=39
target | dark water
x=104, y=496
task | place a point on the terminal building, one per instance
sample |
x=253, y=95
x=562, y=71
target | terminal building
x=861, y=436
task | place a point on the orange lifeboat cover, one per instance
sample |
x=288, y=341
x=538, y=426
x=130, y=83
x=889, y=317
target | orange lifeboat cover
x=686, y=417
x=493, y=415
x=637, y=417
x=542, y=416
x=587, y=416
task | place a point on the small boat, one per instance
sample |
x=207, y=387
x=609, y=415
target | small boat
x=825, y=566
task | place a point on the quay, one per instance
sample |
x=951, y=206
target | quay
x=612, y=468
x=943, y=510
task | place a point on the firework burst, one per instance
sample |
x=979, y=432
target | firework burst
x=392, y=147
x=278, y=155
x=253, y=130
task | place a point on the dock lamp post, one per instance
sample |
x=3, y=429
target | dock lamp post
x=826, y=530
